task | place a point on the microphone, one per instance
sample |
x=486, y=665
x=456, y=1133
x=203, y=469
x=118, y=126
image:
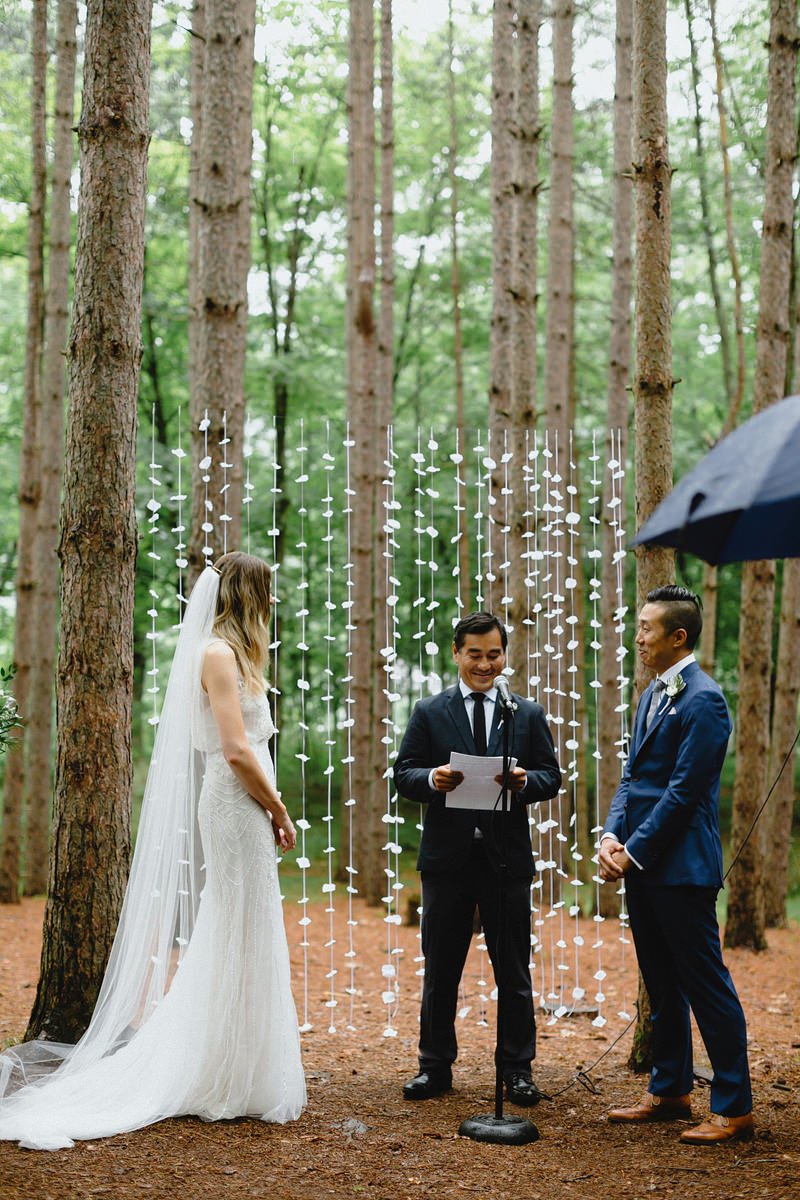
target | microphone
x=504, y=692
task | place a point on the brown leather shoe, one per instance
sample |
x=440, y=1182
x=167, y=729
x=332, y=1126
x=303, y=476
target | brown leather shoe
x=655, y=1108
x=720, y=1129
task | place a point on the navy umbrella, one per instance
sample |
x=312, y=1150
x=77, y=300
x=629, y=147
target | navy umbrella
x=742, y=501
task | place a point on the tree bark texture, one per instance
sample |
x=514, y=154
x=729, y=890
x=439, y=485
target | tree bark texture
x=561, y=241
x=223, y=236
x=734, y=381
x=383, y=614
x=502, y=219
x=746, y=915
x=611, y=665
x=526, y=129
x=91, y=837
x=778, y=814
x=362, y=409
x=197, y=59
x=652, y=387
x=465, y=583
x=51, y=438
x=29, y=492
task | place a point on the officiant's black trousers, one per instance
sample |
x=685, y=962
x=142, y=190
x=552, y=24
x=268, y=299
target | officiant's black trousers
x=448, y=907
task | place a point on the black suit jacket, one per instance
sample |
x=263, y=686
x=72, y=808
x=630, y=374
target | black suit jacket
x=439, y=724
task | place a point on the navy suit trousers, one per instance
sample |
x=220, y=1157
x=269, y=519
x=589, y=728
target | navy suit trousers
x=677, y=944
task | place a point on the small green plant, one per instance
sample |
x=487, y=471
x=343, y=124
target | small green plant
x=9, y=713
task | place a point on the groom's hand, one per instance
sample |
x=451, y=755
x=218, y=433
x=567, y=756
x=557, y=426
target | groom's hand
x=445, y=780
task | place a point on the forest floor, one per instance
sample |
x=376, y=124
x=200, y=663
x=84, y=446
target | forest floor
x=358, y=1137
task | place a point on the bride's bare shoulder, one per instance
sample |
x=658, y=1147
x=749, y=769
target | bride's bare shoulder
x=218, y=656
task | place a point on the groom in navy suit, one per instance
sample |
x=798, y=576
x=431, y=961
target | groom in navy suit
x=662, y=834
x=464, y=853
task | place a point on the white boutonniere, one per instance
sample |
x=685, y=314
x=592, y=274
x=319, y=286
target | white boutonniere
x=675, y=686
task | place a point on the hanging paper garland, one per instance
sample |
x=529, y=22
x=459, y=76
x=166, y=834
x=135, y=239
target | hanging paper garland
x=303, y=824
x=154, y=508
x=329, y=887
x=347, y=725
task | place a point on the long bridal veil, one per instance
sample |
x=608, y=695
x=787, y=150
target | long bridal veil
x=166, y=879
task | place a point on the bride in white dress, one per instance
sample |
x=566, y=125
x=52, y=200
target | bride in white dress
x=195, y=1014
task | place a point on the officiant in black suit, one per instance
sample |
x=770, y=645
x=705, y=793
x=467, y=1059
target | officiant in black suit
x=462, y=855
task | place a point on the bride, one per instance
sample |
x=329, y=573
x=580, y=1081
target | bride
x=195, y=1014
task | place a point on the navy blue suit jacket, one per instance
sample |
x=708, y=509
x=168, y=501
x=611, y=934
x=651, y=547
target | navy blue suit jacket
x=439, y=724
x=665, y=810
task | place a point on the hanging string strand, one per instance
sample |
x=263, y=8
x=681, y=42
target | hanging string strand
x=347, y=724
x=329, y=887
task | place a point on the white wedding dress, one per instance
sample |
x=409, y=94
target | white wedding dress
x=223, y=1040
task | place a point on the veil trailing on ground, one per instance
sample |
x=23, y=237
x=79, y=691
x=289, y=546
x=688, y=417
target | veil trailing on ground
x=166, y=877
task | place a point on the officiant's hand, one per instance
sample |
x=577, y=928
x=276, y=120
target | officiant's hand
x=445, y=780
x=517, y=779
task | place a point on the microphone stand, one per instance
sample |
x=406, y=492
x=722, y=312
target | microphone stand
x=487, y=1127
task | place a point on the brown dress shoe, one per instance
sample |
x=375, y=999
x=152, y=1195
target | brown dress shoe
x=720, y=1129
x=655, y=1108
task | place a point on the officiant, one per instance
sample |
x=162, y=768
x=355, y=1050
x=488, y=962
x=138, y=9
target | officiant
x=463, y=857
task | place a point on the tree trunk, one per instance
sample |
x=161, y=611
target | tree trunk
x=502, y=220
x=362, y=414
x=197, y=62
x=40, y=728
x=612, y=667
x=778, y=814
x=746, y=916
x=465, y=584
x=381, y=832
x=226, y=131
x=560, y=239
x=91, y=843
x=523, y=328
x=652, y=382
x=29, y=470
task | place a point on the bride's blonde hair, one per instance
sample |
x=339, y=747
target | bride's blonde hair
x=242, y=617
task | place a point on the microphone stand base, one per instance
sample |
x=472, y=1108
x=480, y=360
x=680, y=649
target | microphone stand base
x=502, y=1131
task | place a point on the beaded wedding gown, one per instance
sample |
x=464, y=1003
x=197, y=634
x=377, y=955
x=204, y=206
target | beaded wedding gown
x=223, y=1039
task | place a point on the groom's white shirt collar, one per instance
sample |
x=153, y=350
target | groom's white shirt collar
x=676, y=668
x=466, y=692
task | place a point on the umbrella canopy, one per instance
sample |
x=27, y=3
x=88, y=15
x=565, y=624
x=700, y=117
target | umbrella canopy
x=742, y=501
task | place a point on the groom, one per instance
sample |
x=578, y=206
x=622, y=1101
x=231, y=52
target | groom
x=662, y=834
x=462, y=856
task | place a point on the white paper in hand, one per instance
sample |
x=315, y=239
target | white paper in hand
x=478, y=789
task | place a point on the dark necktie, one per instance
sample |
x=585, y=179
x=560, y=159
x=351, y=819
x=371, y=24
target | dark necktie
x=479, y=722
x=655, y=700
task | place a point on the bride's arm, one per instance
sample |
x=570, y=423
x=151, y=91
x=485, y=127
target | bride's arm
x=221, y=682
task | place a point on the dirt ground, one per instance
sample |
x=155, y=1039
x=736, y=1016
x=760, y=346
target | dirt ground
x=359, y=1137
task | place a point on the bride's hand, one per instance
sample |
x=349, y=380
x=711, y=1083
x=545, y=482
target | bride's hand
x=284, y=831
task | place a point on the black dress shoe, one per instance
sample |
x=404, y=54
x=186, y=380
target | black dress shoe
x=520, y=1089
x=427, y=1084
